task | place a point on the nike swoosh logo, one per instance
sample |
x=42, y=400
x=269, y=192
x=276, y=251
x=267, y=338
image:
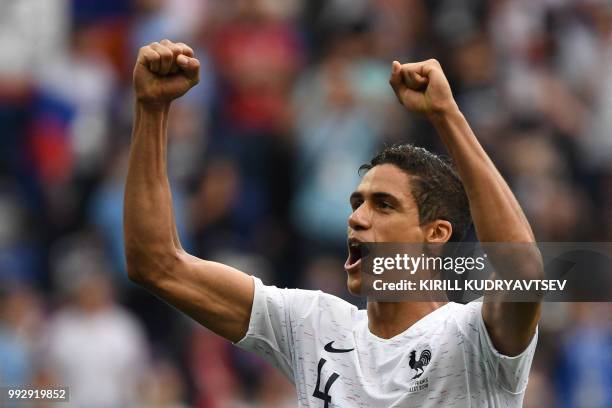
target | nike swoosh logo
x=331, y=349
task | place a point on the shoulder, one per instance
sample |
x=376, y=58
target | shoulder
x=465, y=313
x=508, y=373
x=470, y=322
x=302, y=303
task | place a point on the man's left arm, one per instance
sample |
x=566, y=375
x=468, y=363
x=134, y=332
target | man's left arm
x=423, y=88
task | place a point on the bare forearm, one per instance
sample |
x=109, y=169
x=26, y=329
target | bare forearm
x=150, y=233
x=497, y=217
x=216, y=295
x=423, y=88
x=497, y=214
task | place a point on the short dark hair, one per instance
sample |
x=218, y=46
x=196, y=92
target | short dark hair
x=435, y=185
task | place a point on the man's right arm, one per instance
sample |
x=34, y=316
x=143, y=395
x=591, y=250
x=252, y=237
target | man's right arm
x=216, y=295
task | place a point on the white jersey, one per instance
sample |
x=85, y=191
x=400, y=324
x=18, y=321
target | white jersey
x=323, y=344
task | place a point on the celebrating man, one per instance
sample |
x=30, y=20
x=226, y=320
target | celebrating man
x=393, y=354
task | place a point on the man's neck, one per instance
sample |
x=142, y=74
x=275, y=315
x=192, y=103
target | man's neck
x=388, y=319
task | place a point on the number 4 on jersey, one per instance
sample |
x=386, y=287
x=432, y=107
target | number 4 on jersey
x=325, y=394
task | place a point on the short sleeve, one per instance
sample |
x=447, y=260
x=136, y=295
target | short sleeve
x=511, y=373
x=273, y=315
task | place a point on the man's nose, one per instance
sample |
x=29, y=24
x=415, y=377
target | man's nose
x=360, y=219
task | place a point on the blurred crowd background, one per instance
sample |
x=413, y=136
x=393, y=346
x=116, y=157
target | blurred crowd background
x=263, y=156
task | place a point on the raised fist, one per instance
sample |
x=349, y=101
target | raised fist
x=422, y=87
x=164, y=71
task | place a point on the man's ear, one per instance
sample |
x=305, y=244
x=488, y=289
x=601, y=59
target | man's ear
x=438, y=231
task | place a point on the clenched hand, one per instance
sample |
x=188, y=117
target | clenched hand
x=164, y=71
x=422, y=87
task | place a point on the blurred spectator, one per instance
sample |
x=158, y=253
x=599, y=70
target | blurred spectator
x=399, y=30
x=595, y=78
x=21, y=327
x=171, y=19
x=539, y=393
x=323, y=273
x=32, y=34
x=272, y=390
x=20, y=255
x=94, y=346
x=477, y=92
x=85, y=80
x=257, y=53
x=163, y=386
x=584, y=371
x=542, y=182
x=216, y=380
x=335, y=134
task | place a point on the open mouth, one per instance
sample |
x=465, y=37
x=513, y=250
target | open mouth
x=354, y=254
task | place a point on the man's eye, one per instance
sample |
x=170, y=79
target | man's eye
x=385, y=205
x=356, y=204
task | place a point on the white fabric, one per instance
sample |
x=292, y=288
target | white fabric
x=100, y=357
x=290, y=328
